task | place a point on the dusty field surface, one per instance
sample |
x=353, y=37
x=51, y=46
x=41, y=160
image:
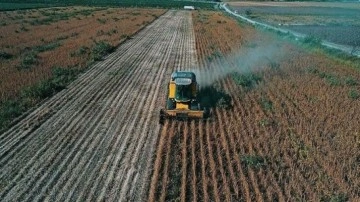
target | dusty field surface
x=95, y=140
x=34, y=41
x=292, y=137
x=336, y=22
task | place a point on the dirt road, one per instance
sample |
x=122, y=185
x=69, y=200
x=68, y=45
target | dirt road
x=96, y=139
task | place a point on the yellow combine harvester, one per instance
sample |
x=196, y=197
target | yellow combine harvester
x=182, y=101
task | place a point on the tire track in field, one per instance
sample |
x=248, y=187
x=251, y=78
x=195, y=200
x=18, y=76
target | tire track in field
x=95, y=140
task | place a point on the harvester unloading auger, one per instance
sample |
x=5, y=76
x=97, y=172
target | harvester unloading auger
x=182, y=101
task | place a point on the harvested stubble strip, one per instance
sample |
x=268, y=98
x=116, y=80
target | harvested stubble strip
x=194, y=151
x=165, y=163
x=203, y=156
x=113, y=96
x=131, y=126
x=184, y=164
x=124, y=142
x=160, y=155
x=95, y=94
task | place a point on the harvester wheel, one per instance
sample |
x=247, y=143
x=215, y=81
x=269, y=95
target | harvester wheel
x=162, y=117
x=195, y=106
x=170, y=104
x=207, y=113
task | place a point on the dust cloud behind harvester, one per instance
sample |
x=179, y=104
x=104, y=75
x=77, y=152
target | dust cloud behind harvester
x=250, y=58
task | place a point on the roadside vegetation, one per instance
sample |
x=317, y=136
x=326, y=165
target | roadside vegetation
x=314, y=44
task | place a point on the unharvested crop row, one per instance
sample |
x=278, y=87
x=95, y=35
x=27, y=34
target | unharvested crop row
x=307, y=164
x=292, y=136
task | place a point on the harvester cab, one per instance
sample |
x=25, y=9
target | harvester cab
x=182, y=101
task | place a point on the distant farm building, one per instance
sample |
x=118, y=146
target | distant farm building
x=189, y=7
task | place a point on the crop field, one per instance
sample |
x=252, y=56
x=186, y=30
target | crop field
x=33, y=42
x=292, y=137
x=333, y=21
x=284, y=123
x=95, y=140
